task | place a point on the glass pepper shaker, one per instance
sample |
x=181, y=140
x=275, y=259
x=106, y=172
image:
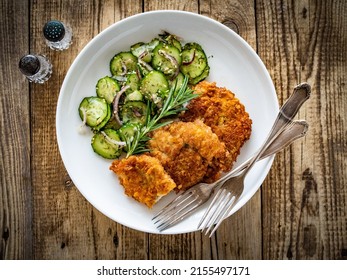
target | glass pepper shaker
x=58, y=35
x=36, y=68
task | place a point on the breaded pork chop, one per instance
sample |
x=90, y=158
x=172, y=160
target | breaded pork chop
x=219, y=109
x=143, y=178
x=190, y=152
x=197, y=149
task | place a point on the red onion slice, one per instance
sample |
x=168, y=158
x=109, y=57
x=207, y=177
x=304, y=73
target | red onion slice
x=143, y=54
x=145, y=64
x=115, y=104
x=82, y=129
x=124, y=68
x=191, y=59
x=173, y=60
x=112, y=141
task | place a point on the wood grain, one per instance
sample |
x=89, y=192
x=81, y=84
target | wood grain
x=304, y=201
x=15, y=177
x=184, y=5
x=300, y=211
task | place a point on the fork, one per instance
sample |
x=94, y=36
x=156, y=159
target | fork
x=226, y=197
x=190, y=200
x=187, y=202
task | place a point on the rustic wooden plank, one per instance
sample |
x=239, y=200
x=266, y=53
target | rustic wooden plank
x=127, y=243
x=185, y=5
x=65, y=225
x=304, y=201
x=304, y=197
x=15, y=179
x=60, y=212
x=240, y=236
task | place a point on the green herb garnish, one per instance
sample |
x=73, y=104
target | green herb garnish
x=173, y=104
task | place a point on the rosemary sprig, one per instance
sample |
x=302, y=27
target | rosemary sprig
x=173, y=104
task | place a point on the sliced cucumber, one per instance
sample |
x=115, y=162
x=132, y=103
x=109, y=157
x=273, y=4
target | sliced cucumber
x=112, y=123
x=94, y=111
x=134, y=96
x=134, y=112
x=167, y=59
x=128, y=130
x=154, y=86
x=105, y=120
x=178, y=82
x=171, y=40
x=107, y=88
x=152, y=44
x=123, y=63
x=144, y=68
x=141, y=50
x=132, y=81
x=104, y=143
x=148, y=70
x=194, y=61
x=203, y=75
x=175, y=42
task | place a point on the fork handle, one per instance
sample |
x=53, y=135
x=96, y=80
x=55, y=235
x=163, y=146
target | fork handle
x=284, y=118
x=300, y=94
x=288, y=135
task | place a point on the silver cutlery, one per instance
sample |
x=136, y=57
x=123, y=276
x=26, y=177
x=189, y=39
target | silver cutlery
x=187, y=202
x=229, y=193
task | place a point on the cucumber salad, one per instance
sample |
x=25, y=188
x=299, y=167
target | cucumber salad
x=147, y=86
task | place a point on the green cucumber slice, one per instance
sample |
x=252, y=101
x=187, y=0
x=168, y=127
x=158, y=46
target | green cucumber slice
x=167, y=59
x=134, y=112
x=94, y=111
x=127, y=131
x=133, y=82
x=194, y=61
x=104, y=143
x=123, y=63
x=134, y=96
x=141, y=50
x=154, y=86
x=107, y=88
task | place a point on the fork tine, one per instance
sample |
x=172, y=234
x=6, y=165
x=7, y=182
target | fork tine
x=173, y=204
x=176, y=210
x=206, y=217
x=229, y=207
x=179, y=216
x=218, y=212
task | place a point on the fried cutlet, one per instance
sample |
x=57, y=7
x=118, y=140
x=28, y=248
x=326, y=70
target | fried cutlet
x=143, y=178
x=189, y=152
x=196, y=149
x=218, y=108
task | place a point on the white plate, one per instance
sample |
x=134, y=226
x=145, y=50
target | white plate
x=234, y=65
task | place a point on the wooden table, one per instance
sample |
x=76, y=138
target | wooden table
x=299, y=213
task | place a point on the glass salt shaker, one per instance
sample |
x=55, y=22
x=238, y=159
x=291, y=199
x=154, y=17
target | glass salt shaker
x=58, y=35
x=36, y=68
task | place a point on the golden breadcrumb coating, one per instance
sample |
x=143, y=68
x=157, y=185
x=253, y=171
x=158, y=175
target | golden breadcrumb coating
x=143, y=178
x=218, y=108
x=196, y=149
x=189, y=152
